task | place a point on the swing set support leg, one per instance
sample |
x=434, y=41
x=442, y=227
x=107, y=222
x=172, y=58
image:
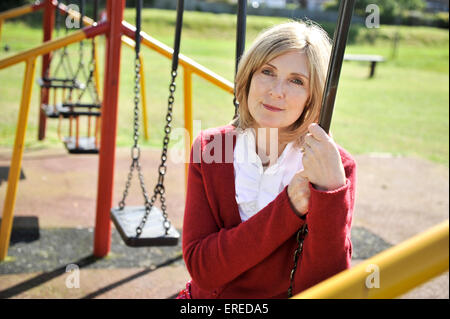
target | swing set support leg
x=105, y=186
x=16, y=160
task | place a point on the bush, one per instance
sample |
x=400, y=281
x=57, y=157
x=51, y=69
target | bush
x=11, y=4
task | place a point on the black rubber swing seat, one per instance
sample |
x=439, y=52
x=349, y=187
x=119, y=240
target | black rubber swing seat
x=127, y=219
x=86, y=145
x=59, y=83
x=67, y=110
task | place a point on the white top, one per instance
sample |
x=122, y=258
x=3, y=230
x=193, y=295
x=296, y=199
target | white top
x=256, y=187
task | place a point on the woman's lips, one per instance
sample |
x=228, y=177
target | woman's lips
x=272, y=108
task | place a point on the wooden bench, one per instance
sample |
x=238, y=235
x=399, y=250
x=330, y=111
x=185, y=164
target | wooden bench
x=373, y=59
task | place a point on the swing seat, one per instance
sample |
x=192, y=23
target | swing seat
x=54, y=111
x=86, y=105
x=68, y=110
x=86, y=145
x=59, y=83
x=51, y=111
x=128, y=219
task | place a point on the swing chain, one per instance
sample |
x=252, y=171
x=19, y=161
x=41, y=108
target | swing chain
x=159, y=188
x=301, y=234
x=135, y=150
x=135, y=164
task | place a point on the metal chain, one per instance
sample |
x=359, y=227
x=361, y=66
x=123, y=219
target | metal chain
x=90, y=85
x=159, y=188
x=135, y=150
x=135, y=154
x=301, y=234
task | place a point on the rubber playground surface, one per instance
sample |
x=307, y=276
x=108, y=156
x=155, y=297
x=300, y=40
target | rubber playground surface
x=55, y=216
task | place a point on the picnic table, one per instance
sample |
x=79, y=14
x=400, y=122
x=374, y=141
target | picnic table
x=373, y=59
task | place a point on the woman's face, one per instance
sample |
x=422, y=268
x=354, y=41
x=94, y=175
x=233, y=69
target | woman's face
x=279, y=91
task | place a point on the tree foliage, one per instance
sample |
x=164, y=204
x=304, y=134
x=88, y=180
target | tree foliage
x=390, y=10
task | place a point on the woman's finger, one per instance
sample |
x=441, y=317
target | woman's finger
x=310, y=140
x=318, y=132
x=303, y=174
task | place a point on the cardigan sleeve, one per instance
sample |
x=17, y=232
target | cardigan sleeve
x=214, y=255
x=327, y=247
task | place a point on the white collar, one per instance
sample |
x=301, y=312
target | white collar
x=254, y=187
x=245, y=152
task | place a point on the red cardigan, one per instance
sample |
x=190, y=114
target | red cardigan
x=228, y=258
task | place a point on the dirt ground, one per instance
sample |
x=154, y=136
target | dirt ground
x=396, y=198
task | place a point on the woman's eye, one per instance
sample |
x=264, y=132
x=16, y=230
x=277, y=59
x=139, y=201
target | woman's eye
x=266, y=72
x=297, y=81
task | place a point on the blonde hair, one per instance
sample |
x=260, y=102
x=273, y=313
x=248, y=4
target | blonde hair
x=307, y=37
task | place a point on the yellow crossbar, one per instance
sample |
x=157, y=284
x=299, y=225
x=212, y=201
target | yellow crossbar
x=16, y=12
x=392, y=272
x=43, y=49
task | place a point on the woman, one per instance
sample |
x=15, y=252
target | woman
x=270, y=197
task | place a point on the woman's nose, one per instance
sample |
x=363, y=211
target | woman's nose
x=277, y=90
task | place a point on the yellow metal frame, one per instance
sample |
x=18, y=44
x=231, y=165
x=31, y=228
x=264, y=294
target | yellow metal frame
x=43, y=49
x=16, y=12
x=399, y=269
x=29, y=57
x=16, y=160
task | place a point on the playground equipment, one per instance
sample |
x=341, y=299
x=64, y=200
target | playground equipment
x=148, y=225
x=71, y=88
x=240, y=43
x=65, y=82
x=59, y=82
x=404, y=266
x=78, y=109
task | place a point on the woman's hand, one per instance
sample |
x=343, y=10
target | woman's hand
x=322, y=164
x=298, y=192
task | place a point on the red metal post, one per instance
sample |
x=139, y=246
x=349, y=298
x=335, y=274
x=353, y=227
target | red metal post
x=48, y=23
x=102, y=235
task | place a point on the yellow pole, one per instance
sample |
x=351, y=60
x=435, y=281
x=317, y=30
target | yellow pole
x=16, y=12
x=143, y=96
x=43, y=49
x=392, y=272
x=187, y=84
x=16, y=160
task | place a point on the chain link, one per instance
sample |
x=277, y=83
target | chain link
x=135, y=155
x=301, y=234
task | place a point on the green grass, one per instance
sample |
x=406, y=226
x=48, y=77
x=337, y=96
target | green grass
x=403, y=110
